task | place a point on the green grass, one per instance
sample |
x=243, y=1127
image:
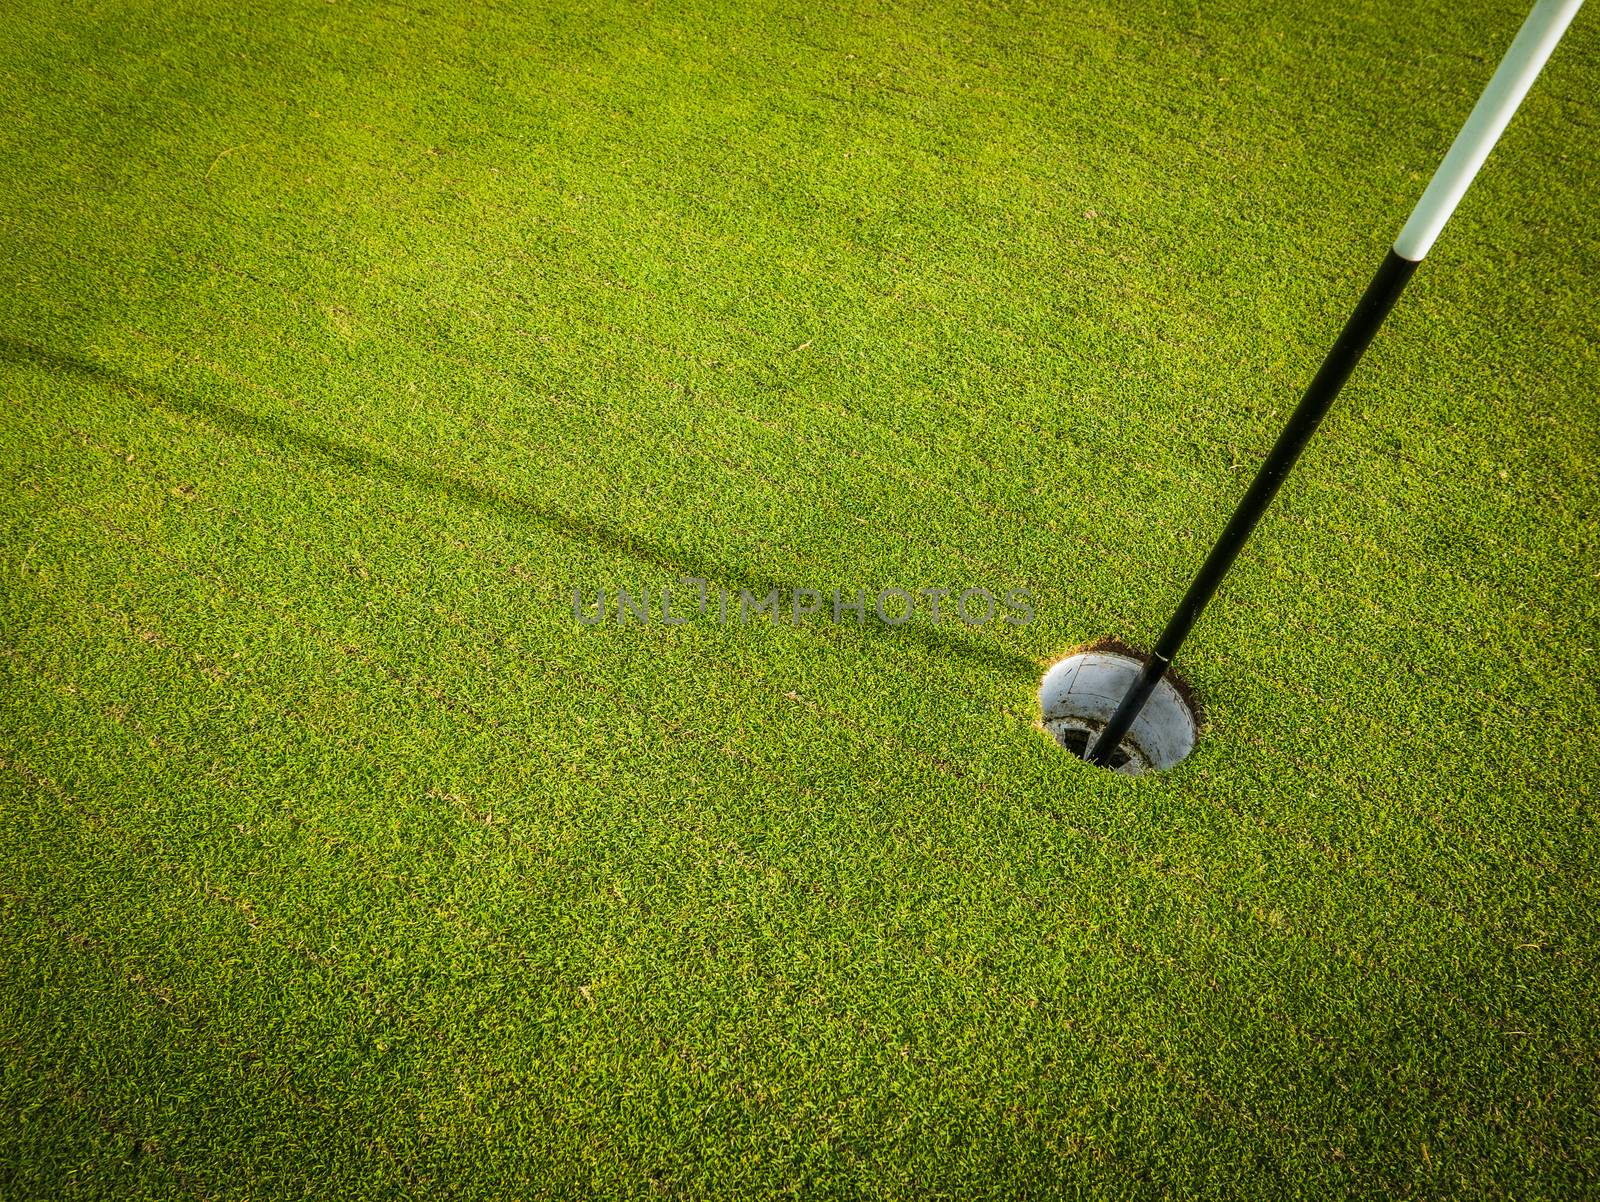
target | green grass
x=338, y=341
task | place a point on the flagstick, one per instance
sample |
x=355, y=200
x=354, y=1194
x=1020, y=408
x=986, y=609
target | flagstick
x=1512, y=79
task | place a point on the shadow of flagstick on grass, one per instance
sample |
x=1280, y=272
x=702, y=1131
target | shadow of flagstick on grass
x=936, y=640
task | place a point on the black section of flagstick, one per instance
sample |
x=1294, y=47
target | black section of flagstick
x=1341, y=360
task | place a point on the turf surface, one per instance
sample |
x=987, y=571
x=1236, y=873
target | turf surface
x=340, y=341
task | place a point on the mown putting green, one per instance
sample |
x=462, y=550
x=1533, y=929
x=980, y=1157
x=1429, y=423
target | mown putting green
x=342, y=342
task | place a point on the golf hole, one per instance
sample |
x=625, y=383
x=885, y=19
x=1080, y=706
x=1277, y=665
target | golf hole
x=1078, y=695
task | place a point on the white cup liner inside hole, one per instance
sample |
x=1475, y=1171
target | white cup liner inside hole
x=1079, y=694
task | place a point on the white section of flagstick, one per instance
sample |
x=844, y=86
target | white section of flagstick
x=1518, y=69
